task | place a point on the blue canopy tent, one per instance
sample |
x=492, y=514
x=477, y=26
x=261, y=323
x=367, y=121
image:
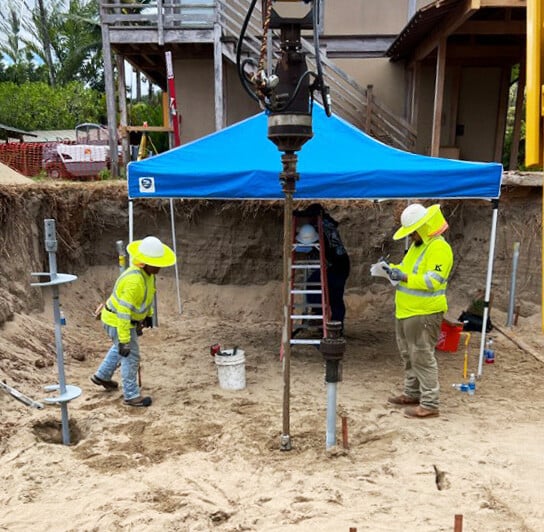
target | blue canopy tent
x=339, y=163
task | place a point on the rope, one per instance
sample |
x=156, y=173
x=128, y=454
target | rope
x=259, y=77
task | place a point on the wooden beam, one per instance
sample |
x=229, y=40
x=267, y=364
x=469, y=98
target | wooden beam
x=495, y=27
x=416, y=92
x=454, y=103
x=449, y=26
x=438, y=97
x=123, y=114
x=511, y=51
x=150, y=129
x=519, y=342
x=503, y=3
x=110, y=99
x=218, y=77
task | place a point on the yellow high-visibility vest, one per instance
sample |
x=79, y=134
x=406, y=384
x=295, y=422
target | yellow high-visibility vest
x=131, y=301
x=428, y=267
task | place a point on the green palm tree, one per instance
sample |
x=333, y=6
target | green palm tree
x=65, y=35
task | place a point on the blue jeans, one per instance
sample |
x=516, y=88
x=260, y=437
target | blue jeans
x=129, y=365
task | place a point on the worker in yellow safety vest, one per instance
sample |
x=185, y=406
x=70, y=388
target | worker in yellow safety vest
x=128, y=309
x=420, y=280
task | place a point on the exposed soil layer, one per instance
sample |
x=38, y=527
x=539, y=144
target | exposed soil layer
x=203, y=458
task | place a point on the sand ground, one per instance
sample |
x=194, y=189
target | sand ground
x=204, y=458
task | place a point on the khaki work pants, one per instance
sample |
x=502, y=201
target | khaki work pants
x=416, y=340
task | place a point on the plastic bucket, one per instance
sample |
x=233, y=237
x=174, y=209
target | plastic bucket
x=231, y=369
x=450, y=333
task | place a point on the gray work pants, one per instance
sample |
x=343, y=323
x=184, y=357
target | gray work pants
x=416, y=340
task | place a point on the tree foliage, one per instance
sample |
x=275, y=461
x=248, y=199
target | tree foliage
x=56, y=41
x=37, y=106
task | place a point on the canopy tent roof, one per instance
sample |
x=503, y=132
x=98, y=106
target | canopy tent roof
x=339, y=162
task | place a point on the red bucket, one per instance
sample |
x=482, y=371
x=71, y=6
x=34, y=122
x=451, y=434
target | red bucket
x=450, y=334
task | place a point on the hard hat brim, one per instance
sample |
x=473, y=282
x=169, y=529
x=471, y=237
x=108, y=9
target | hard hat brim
x=168, y=257
x=405, y=231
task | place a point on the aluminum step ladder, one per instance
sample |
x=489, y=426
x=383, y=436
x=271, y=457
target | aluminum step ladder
x=309, y=303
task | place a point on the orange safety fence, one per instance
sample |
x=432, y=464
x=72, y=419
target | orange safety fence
x=56, y=160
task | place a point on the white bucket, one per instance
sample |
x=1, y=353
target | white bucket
x=231, y=369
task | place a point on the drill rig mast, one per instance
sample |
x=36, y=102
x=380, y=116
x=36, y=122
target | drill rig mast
x=286, y=92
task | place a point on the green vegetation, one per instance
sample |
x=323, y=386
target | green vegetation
x=51, y=69
x=34, y=106
x=54, y=41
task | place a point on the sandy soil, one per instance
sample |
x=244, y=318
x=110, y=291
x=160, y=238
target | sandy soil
x=9, y=176
x=203, y=458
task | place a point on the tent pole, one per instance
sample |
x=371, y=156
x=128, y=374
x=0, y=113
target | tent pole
x=288, y=178
x=492, y=239
x=130, y=221
x=173, y=226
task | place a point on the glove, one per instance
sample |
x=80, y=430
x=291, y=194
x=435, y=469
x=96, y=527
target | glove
x=380, y=269
x=396, y=275
x=148, y=322
x=124, y=350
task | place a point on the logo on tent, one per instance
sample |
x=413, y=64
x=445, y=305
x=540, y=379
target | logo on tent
x=147, y=184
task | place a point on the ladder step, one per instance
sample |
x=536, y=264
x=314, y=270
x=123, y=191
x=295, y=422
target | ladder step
x=307, y=305
x=304, y=284
x=306, y=341
x=306, y=291
x=306, y=266
x=306, y=317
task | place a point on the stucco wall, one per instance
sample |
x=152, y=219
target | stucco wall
x=195, y=86
x=476, y=116
x=239, y=103
x=388, y=79
x=478, y=112
x=194, y=91
x=368, y=17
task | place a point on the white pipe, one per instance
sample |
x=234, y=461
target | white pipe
x=512, y=299
x=491, y=256
x=331, y=414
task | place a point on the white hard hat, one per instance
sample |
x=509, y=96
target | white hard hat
x=415, y=216
x=151, y=251
x=412, y=214
x=307, y=234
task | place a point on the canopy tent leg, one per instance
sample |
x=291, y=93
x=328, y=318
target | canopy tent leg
x=173, y=226
x=130, y=221
x=487, y=296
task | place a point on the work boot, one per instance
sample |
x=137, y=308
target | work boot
x=401, y=400
x=421, y=412
x=108, y=385
x=138, y=401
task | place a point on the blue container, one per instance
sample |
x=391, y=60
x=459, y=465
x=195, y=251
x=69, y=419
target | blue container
x=489, y=356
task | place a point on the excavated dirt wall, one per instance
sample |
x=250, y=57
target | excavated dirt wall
x=240, y=243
